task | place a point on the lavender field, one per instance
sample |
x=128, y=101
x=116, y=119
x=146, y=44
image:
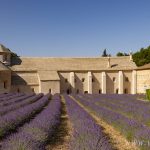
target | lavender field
x=32, y=121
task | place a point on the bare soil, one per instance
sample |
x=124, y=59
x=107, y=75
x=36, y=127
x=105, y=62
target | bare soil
x=116, y=138
x=60, y=140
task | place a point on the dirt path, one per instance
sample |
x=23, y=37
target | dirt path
x=60, y=141
x=118, y=141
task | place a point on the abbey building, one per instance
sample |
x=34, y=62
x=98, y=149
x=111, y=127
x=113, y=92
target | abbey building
x=71, y=75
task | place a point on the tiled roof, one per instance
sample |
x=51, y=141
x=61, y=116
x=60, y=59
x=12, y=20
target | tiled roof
x=147, y=66
x=74, y=64
x=3, y=49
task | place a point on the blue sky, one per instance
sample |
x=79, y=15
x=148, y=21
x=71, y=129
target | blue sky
x=74, y=27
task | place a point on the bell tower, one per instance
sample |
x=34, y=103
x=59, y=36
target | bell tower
x=5, y=55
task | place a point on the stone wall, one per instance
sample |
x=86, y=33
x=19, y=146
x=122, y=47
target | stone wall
x=50, y=87
x=143, y=80
x=26, y=82
x=5, y=81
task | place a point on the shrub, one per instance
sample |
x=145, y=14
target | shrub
x=148, y=94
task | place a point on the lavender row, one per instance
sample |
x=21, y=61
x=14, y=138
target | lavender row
x=15, y=118
x=7, y=98
x=131, y=128
x=6, y=95
x=128, y=107
x=35, y=134
x=86, y=133
x=15, y=100
x=25, y=101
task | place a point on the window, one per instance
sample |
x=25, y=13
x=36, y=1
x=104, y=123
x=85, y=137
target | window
x=18, y=90
x=85, y=92
x=126, y=91
x=68, y=91
x=83, y=79
x=77, y=91
x=114, y=79
x=4, y=57
x=33, y=90
x=93, y=80
x=117, y=91
x=126, y=79
x=5, y=84
x=99, y=91
x=75, y=80
x=50, y=90
x=66, y=80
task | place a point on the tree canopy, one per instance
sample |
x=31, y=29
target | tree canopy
x=104, y=53
x=121, y=54
x=142, y=57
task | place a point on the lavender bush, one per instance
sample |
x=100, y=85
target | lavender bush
x=6, y=98
x=6, y=95
x=12, y=120
x=35, y=134
x=87, y=135
x=130, y=127
x=124, y=104
x=25, y=100
x=15, y=100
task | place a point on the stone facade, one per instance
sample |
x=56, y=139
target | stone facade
x=71, y=75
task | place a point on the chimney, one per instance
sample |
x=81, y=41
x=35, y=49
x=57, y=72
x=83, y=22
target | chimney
x=131, y=59
x=108, y=65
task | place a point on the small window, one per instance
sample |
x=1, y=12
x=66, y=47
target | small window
x=75, y=80
x=100, y=91
x=83, y=79
x=117, y=91
x=126, y=91
x=50, y=90
x=4, y=57
x=77, y=91
x=66, y=80
x=5, y=84
x=114, y=79
x=85, y=92
x=18, y=90
x=126, y=79
x=33, y=90
x=68, y=91
x=93, y=80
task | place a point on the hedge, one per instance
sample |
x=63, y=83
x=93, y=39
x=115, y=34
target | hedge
x=148, y=94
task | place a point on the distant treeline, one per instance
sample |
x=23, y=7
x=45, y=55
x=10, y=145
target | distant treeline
x=140, y=57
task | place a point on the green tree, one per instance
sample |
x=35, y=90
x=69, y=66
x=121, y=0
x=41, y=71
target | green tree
x=142, y=57
x=119, y=54
x=104, y=53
